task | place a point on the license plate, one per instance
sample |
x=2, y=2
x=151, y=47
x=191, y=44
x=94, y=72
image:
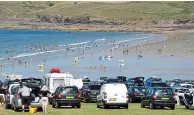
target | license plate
x=69, y=97
x=112, y=99
x=165, y=98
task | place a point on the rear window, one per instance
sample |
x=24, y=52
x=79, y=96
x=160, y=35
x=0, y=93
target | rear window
x=67, y=90
x=163, y=91
x=159, y=85
x=94, y=87
x=139, y=89
x=57, y=82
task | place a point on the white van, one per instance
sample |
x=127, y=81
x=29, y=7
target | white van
x=113, y=94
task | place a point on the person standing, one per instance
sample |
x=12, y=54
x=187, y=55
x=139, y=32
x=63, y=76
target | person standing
x=25, y=93
x=44, y=93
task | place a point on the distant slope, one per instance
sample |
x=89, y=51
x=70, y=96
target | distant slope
x=100, y=10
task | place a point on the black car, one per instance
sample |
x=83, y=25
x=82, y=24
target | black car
x=89, y=92
x=135, y=93
x=159, y=96
x=66, y=96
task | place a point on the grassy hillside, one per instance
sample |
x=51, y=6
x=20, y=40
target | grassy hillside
x=99, y=10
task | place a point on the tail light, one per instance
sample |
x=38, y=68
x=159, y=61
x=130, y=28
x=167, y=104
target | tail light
x=8, y=95
x=127, y=96
x=79, y=96
x=174, y=96
x=154, y=97
x=19, y=96
x=105, y=95
x=59, y=96
x=134, y=94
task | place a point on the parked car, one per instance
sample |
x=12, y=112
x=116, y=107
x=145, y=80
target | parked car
x=159, y=96
x=138, y=81
x=66, y=96
x=89, y=92
x=9, y=95
x=9, y=83
x=136, y=93
x=113, y=94
x=121, y=79
x=189, y=86
x=35, y=84
x=179, y=93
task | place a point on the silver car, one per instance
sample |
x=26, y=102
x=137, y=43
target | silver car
x=35, y=99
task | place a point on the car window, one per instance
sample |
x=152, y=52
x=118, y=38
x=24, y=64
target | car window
x=66, y=90
x=159, y=85
x=163, y=91
x=94, y=87
x=136, y=89
x=14, y=89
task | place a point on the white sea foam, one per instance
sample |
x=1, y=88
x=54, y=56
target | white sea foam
x=74, y=44
x=100, y=40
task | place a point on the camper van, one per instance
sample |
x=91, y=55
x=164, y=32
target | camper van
x=53, y=80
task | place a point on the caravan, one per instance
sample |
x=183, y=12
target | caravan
x=55, y=78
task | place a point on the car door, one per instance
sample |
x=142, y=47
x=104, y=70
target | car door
x=99, y=97
x=147, y=97
x=55, y=94
x=81, y=91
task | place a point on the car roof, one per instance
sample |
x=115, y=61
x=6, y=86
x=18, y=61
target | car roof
x=161, y=87
x=137, y=87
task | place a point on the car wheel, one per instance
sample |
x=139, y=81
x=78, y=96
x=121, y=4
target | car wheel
x=161, y=107
x=152, y=105
x=126, y=106
x=172, y=107
x=56, y=105
x=104, y=106
x=97, y=104
x=53, y=105
x=79, y=106
x=186, y=107
x=85, y=100
x=7, y=106
x=12, y=107
x=142, y=105
x=15, y=108
x=130, y=100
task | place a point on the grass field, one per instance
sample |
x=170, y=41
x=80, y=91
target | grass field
x=90, y=109
x=106, y=10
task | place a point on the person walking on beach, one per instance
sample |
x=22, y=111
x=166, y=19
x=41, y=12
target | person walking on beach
x=25, y=93
x=44, y=94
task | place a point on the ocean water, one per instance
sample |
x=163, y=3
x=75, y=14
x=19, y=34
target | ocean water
x=21, y=51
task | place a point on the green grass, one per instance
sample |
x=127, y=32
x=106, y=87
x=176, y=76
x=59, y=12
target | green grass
x=106, y=10
x=90, y=109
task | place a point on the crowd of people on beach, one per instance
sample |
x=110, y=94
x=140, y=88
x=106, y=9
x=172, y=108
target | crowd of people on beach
x=108, y=46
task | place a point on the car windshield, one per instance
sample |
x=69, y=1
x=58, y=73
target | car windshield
x=94, y=87
x=139, y=89
x=163, y=91
x=67, y=90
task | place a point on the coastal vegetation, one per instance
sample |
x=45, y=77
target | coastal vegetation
x=129, y=15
